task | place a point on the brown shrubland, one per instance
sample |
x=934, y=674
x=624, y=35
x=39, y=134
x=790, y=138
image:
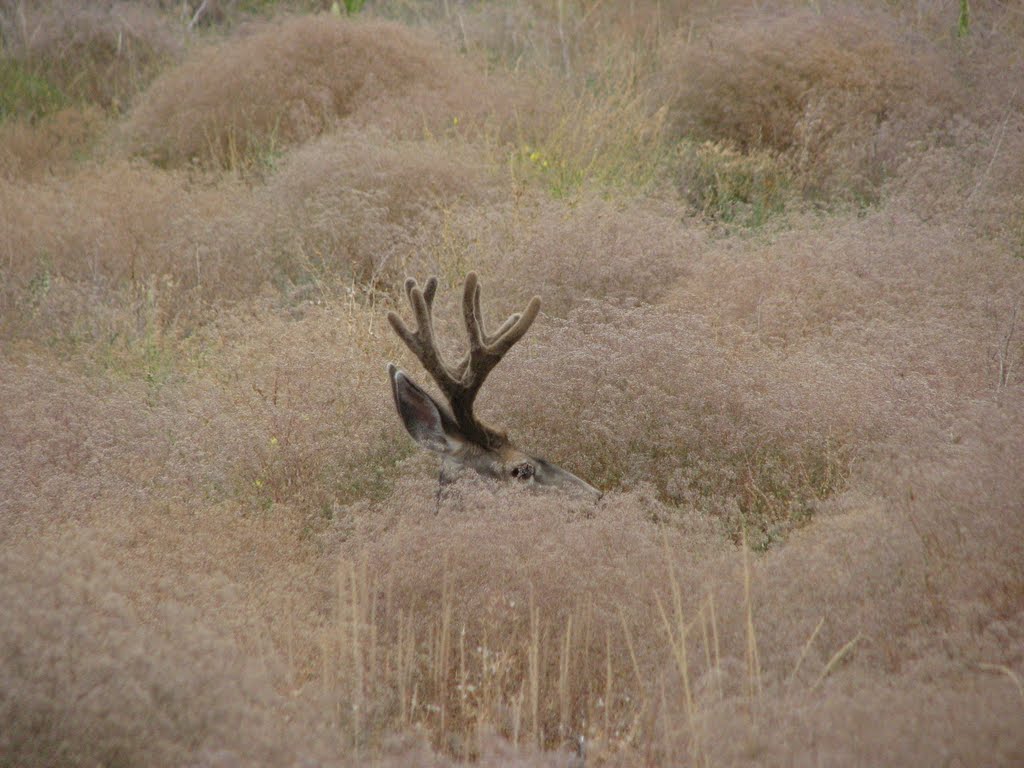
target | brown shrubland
x=102, y=52
x=32, y=149
x=293, y=80
x=840, y=95
x=220, y=546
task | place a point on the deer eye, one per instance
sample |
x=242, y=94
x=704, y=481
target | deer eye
x=523, y=471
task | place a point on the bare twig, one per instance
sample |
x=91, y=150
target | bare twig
x=564, y=43
x=839, y=655
x=807, y=647
x=1006, y=356
x=198, y=14
x=1006, y=671
x=995, y=152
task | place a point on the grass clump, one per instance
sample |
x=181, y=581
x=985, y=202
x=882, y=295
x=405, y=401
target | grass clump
x=87, y=680
x=99, y=53
x=296, y=79
x=841, y=96
x=730, y=186
x=342, y=214
x=706, y=429
x=24, y=94
x=530, y=626
x=56, y=144
x=566, y=250
x=602, y=137
x=222, y=548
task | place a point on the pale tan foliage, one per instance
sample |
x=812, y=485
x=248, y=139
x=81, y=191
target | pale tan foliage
x=567, y=251
x=30, y=151
x=88, y=679
x=103, y=52
x=221, y=548
x=346, y=210
x=842, y=95
x=235, y=102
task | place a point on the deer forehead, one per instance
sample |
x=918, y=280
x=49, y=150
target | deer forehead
x=503, y=456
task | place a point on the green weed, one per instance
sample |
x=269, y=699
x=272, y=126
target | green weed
x=745, y=188
x=963, y=22
x=25, y=94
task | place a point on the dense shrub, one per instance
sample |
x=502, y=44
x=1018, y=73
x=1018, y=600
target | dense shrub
x=33, y=149
x=101, y=52
x=87, y=679
x=843, y=95
x=345, y=211
x=222, y=548
x=569, y=252
x=238, y=102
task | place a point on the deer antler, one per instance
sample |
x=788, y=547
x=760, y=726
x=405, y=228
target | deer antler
x=461, y=382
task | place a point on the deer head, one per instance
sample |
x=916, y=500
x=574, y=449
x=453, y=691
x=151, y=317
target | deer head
x=453, y=431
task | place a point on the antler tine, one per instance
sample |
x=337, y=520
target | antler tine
x=474, y=323
x=421, y=342
x=512, y=320
x=486, y=351
x=479, y=314
x=478, y=318
x=488, y=338
x=429, y=289
x=516, y=327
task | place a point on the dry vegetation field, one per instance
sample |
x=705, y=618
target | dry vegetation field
x=781, y=249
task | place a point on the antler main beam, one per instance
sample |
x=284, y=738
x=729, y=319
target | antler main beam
x=461, y=383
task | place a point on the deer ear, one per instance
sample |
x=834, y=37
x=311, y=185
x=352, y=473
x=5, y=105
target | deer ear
x=424, y=419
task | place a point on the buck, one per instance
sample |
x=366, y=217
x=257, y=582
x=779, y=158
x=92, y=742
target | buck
x=454, y=431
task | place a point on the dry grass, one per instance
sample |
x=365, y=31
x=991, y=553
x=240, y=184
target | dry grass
x=89, y=680
x=32, y=150
x=293, y=80
x=514, y=625
x=222, y=549
x=568, y=252
x=345, y=211
x=102, y=52
x=843, y=95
